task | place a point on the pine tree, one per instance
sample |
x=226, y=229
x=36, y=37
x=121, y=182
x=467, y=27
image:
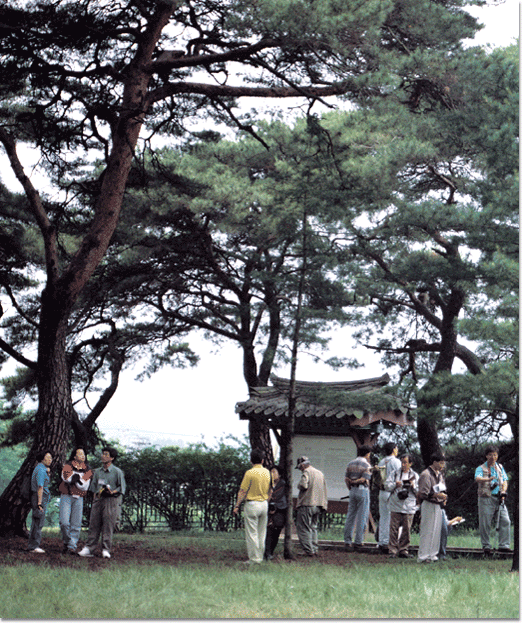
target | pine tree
x=98, y=76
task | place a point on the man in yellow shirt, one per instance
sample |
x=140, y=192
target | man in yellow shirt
x=255, y=490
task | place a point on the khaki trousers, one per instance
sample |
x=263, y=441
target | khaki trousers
x=400, y=543
x=103, y=517
x=255, y=515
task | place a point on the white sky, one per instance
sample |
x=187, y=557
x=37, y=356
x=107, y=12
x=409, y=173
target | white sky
x=177, y=407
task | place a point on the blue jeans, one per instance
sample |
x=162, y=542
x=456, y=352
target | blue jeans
x=358, y=512
x=70, y=519
x=38, y=518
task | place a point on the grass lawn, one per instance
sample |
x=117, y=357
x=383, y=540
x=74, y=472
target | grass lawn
x=171, y=576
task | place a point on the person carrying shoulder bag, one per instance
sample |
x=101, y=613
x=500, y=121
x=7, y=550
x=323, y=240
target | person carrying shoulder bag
x=402, y=504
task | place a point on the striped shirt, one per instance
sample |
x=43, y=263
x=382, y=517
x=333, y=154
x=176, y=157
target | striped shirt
x=358, y=468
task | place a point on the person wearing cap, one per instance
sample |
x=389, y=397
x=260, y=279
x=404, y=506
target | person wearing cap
x=312, y=500
x=255, y=491
x=357, y=479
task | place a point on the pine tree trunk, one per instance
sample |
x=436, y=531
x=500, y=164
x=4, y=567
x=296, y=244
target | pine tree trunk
x=429, y=401
x=52, y=422
x=14, y=509
x=288, y=467
x=260, y=438
x=259, y=434
x=55, y=414
x=515, y=485
x=427, y=435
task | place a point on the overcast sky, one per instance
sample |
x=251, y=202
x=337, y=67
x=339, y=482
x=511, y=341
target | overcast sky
x=178, y=407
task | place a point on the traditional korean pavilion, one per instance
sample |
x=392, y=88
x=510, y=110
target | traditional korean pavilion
x=348, y=409
x=331, y=420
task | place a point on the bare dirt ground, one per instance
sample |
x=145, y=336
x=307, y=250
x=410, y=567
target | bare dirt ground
x=145, y=550
x=13, y=551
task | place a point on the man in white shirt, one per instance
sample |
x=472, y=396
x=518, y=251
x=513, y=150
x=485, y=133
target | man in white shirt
x=392, y=464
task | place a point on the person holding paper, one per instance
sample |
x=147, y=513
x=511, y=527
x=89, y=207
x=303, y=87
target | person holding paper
x=432, y=497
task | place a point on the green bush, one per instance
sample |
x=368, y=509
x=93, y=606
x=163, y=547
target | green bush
x=183, y=487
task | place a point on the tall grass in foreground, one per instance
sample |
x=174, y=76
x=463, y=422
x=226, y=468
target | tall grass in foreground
x=461, y=589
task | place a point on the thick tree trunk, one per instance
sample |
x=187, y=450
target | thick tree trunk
x=260, y=437
x=515, y=485
x=429, y=402
x=259, y=434
x=14, y=509
x=53, y=420
x=427, y=435
x=55, y=415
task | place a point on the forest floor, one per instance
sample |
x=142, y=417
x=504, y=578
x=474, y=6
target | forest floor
x=14, y=551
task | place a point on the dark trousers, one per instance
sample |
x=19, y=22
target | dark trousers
x=38, y=518
x=276, y=524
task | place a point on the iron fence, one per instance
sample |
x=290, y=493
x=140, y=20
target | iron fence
x=171, y=505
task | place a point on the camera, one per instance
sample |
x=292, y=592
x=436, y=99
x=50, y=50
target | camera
x=76, y=479
x=502, y=495
x=403, y=494
x=493, y=484
x=105, y=492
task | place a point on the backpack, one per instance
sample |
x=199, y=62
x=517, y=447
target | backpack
x=378, y=476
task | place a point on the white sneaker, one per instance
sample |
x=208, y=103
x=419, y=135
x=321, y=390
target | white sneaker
x=85, y=552
x=106, y=554
x=38, y=551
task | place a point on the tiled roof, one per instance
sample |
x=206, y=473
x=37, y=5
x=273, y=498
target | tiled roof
x=325, y=406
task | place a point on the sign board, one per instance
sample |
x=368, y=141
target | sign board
x=330, y=455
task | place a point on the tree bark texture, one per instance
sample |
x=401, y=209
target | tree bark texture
x=429, y=405
x=53, y=420
x=260, y=438
x=55, y=413
x=515, y=484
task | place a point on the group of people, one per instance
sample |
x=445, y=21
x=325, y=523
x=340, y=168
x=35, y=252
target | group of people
x=108, y=485
x=264, y=495
x=402, y=493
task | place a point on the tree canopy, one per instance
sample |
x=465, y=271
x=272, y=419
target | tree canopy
x=103, y=79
